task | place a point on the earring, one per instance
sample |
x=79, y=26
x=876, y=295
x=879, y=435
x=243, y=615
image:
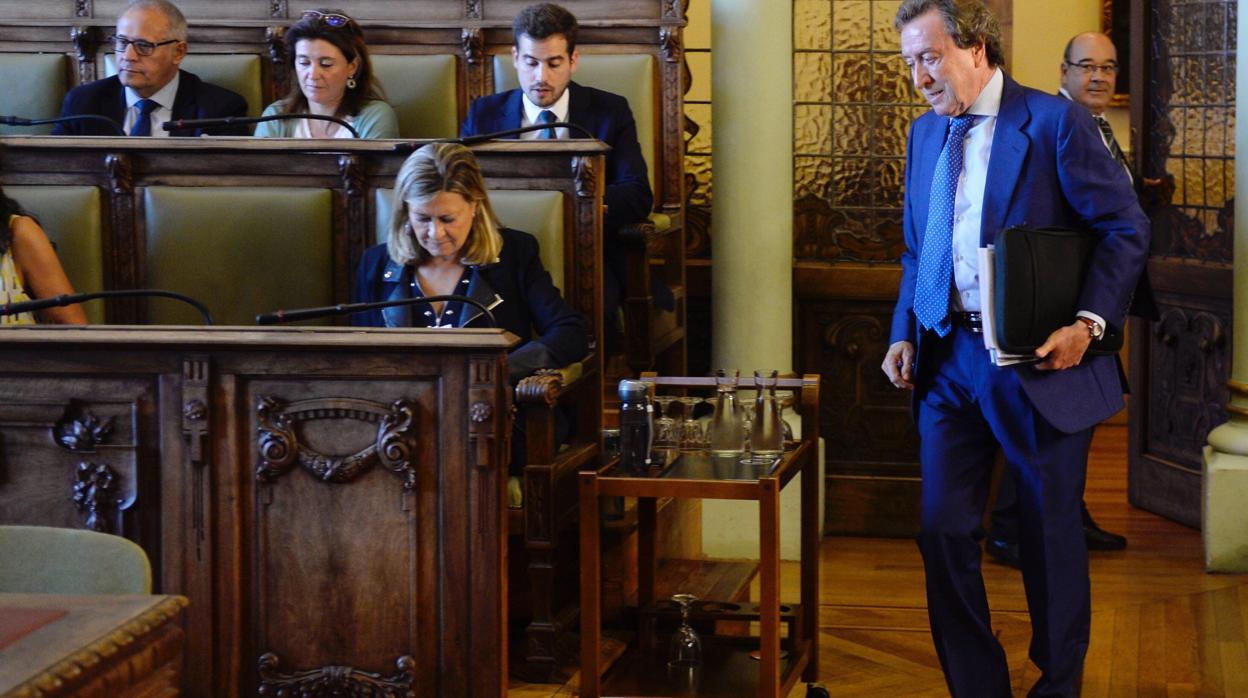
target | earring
x=351, y=83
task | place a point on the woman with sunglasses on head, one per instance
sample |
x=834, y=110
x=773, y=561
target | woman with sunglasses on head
x=29, y=268
x=330, y=75
x=444, y=239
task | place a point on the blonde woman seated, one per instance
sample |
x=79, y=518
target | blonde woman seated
x=330, y=74
x=29, y=268
x=444, y=239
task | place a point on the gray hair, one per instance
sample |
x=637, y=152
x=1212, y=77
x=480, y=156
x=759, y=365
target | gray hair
x=177, y=23
x=968, y=22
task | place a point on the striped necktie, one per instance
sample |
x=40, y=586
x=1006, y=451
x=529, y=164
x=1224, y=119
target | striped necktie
x=931, y=288
x=1110, y=142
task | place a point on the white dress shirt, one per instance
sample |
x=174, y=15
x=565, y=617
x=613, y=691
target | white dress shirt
x=531, y=110
x=968, y=203
x=165, y=97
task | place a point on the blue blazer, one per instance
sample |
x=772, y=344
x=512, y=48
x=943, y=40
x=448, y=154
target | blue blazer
x=606, y=115
x=195, y=99
x=530, y=308
x=1048, y=167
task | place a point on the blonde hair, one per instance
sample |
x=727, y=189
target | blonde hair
x=436, y=168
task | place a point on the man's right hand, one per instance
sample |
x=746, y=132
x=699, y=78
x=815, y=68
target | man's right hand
x=899, y=364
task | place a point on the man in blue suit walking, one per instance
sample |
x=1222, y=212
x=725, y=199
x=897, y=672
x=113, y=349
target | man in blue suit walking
x=545, y=55
x=992, y=154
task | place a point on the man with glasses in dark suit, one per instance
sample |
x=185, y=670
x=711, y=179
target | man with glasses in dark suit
x=149, y=88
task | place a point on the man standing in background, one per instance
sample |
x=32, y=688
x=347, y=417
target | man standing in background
x=1089, y=71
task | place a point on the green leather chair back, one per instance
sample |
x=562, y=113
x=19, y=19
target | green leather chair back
x=539, y=213
x=239, y=72
x=34, y=87
x=631, y=76
x=71, y=216
x=423, y=92
x=239, y=251
x=44, y=560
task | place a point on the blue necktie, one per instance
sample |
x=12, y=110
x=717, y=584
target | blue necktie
x=931, y=289
x=547, y=117
x=143, y=123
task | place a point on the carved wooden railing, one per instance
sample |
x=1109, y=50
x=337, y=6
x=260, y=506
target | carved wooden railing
x=336, y=514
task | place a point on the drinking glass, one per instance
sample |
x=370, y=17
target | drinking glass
x=665, y=433
x=685, y=649
x=692, y=437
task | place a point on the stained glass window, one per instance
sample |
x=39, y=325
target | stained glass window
x=1191, y=161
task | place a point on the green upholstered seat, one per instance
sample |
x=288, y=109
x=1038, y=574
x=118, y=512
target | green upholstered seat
x=423, y=92
x=34, y=87
x=71, y=216
x=240, y=251
x=44, y=560
x=239, y=72
x=539, y=213
x=631, y=76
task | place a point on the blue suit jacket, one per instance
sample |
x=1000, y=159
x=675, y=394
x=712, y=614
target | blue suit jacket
x=530, y=306
x=1048, y=167
x=195, y=99
x=606, y=115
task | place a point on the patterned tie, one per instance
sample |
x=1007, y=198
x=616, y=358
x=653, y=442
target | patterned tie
x=931, y=291
x=547, y=117
x=1110, y=142
x=143, y=123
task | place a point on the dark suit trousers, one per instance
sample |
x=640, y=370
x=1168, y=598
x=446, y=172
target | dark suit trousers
x=968, y=410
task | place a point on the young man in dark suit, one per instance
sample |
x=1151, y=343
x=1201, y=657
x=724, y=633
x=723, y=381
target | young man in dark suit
x=545, y=55
x=992, y=154
x=149, y=88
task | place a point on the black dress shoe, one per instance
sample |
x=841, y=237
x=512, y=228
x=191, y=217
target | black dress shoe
x=1003, y=551
x=1100, y=539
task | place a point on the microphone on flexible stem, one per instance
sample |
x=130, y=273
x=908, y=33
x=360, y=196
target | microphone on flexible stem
x=74, y=298
x=19, y=121
x=209, y=124
x=283, y=316
x=481, y=138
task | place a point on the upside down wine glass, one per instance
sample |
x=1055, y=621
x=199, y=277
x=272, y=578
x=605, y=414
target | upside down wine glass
x=686, y=647
x=665, y=433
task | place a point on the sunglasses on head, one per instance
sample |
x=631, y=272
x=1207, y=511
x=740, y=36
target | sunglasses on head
x=333, y=19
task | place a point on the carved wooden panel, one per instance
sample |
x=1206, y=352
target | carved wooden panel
x=70, y=457
x=1190, y=364
x=312, y=492
x=335, y=487
x=866, y=423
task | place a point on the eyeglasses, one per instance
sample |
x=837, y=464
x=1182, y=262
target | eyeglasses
x=1109, y=69
x=333, y=19
x=141, y=47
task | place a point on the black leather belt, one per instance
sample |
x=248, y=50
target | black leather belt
x=968, y=321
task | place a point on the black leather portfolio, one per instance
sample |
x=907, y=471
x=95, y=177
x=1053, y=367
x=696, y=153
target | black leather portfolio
x=1037, y=278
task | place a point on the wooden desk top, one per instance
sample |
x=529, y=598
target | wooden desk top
x=91, y=631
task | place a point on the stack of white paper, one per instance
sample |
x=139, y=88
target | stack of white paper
x=987, y=302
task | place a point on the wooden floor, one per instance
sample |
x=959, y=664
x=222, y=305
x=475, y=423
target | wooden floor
x=1161, y=626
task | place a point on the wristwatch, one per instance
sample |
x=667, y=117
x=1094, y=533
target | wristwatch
x=1095, y=331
